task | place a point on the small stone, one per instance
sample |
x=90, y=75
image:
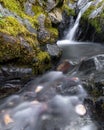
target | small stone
x=80, y=110
x=53, y=50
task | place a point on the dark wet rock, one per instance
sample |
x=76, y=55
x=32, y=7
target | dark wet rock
x=71, y=87
x=95, y=63
x=13, y=78
x=11, y=72
x=43, y=88
x=64, y=25
x=94, y=85
x=9, y=89
x=99, y=106
x=53, y=50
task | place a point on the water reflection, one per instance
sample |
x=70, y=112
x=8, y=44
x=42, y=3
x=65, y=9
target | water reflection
x=79, y=50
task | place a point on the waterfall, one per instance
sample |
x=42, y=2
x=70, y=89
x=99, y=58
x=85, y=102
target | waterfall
x=75, y=50
x=71, y=33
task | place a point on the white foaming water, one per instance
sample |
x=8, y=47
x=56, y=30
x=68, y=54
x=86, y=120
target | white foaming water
x=82, y=3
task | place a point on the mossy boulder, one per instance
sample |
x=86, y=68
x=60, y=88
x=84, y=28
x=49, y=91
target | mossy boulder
x=23, y=53
x=25, y=25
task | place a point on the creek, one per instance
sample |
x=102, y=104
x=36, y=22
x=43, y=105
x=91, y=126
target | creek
x=57, y=101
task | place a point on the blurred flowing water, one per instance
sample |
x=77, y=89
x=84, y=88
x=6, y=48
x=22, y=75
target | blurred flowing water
x=44, y=105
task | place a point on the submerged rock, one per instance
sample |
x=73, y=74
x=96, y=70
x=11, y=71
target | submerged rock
x=65, y=66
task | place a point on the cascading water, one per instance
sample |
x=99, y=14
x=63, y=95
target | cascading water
x=42, y=107
x=72, y=31
x=76, y=50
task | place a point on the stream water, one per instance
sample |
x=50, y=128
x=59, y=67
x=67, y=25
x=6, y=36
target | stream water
x=54, y=101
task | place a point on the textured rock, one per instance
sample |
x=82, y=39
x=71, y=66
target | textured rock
x=56, y=16
x=24, y=26
x=53, y=50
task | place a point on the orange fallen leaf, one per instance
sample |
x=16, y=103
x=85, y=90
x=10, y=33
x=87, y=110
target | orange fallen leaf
x=7, y=119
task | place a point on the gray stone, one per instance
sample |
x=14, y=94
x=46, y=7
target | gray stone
x=53, y=50
x=28, y=8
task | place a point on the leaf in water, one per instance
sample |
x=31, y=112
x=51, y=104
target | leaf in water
x=7, y=119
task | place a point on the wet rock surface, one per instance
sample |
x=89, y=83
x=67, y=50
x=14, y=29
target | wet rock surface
x=12, y=79
x=91, y=73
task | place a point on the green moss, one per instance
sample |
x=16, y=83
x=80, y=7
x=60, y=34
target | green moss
x=68, y=10
x=17, y=7
x=8, y=51
x=43, y=63
x=13, y=5
x=11, y=26
x=48, y=22
x=37, y=9
x=53, y=34
x=95, y=24
x=25, y=54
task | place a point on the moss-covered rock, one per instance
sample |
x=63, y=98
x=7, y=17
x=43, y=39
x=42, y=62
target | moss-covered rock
x=12, y=49
x=22, y=32
x=26, y=25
